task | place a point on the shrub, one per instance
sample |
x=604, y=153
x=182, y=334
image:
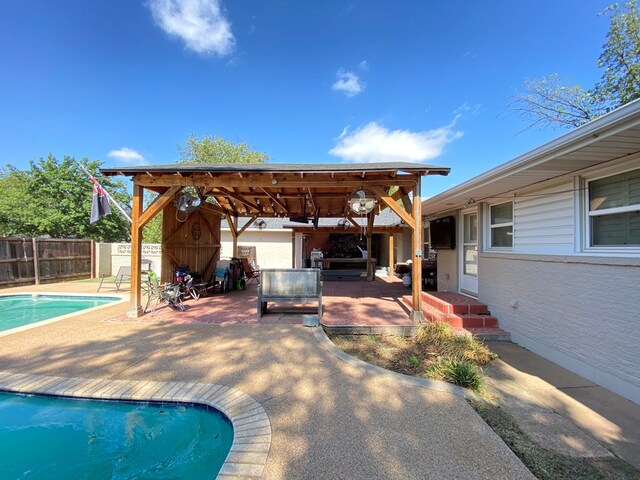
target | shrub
x=444, y=341
x=459, y=372
x=433, y=332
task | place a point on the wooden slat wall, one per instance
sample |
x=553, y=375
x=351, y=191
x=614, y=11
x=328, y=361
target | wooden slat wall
x=180, y=246
x=58, y=259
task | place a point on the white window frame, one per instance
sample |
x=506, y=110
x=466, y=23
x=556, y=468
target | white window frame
x=588, y=214
x=489, y=227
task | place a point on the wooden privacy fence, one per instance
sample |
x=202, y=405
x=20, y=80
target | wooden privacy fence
x=44, y=260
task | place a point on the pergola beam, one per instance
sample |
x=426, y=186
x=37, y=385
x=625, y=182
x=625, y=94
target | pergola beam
x=261, y=181
x=394, y=206
x=157, y=205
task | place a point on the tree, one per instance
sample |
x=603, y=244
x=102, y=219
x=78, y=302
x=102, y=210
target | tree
x=54, y=198
x=550, y=102
x=208, y=149
x=621, y=56
x=14, y=207
x=152, y=231
x=214, y=149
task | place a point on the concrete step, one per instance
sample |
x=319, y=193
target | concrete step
x=449, y=302
x=457, y=320
x=492, y=334
x=484, y=327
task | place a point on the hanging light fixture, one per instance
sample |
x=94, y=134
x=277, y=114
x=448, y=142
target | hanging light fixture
x=343, y=223
x=362, y=201
x=260, y=224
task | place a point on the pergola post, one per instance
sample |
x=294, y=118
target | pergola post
x=135, y=305
x=416, y=271
x=391, y=247
x=233, y=228
x=371, y=274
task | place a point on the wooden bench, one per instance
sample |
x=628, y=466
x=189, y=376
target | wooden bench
x=289, y=285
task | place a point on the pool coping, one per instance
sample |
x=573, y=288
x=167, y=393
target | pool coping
x=251, y=425
x=123, y=298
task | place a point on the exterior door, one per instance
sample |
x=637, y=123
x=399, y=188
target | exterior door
x=469, y=252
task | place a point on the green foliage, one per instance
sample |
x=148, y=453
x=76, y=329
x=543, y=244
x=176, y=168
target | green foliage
x=415, y=361
x=551, y=102
x=459, y=372
x=214, y=149
x=620, y=57
x=152, y=231
x=54, y=198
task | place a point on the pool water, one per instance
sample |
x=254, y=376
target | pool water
x=19, y=310
x=61, y=438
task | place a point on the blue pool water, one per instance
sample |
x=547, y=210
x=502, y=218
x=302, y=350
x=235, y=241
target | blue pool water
x=19, y=310
x=58, y=438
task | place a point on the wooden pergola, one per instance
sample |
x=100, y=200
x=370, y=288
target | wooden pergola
x=270, y=190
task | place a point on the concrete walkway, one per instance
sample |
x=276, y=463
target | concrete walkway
x=330, y=419
x=561, y=410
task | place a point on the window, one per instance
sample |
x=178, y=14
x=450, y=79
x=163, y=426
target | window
x=501, y=226
x=614, y=210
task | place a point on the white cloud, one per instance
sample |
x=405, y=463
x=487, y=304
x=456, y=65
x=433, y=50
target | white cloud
x=201, y=24
x=364, y=66
x=128, y=156
x=465, y=108
x=375, y=143
x=348, y=83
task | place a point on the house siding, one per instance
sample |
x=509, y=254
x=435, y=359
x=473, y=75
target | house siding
x=447, y=270
x=575, y=311
x=274, y=249
x=544, y=221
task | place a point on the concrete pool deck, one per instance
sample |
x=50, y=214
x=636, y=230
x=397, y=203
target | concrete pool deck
x=329, y=418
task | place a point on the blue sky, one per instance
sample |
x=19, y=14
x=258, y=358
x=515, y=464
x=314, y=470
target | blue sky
x=126, y=81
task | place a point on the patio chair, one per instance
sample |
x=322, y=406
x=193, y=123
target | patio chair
x=250, y=273
x=123, y=275
x=168, y=292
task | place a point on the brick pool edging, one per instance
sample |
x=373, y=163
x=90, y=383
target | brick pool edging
x=251, y=425
x=371, y=369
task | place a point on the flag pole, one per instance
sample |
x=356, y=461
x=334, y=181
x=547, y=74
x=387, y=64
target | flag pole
x=109, y=197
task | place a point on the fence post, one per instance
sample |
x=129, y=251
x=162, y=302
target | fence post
x=93, y=259
x=36, y=263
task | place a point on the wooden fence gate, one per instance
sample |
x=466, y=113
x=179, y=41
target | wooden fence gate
x=26, y=261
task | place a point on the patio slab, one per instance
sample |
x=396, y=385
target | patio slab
x=357, y=304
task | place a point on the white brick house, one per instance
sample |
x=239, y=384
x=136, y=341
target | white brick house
x=550, y=241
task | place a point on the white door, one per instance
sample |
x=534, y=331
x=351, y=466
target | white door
x=469, y=253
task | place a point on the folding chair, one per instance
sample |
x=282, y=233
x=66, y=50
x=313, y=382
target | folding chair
x=169, y=293
x=250, y=273
x=123, y=275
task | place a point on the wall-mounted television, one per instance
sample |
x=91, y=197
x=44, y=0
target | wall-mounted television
x=443, y=233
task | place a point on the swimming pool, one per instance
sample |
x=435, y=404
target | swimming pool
x=24, y=309
x=53, y=437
